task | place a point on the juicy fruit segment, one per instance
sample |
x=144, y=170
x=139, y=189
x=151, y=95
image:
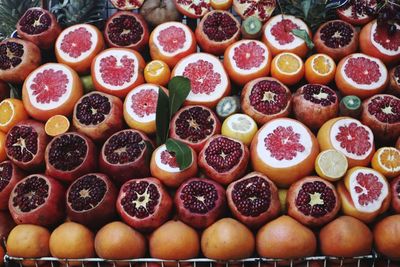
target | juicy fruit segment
x=193, y=9
x=157, y=72
x=260, y=9
x=320, y=69
x=240, y=127
x=357, y=12
x=127, y=4
x=12, y=111
x=56, y=125
x=331, y=165
x=288, y=68
x=386, y=160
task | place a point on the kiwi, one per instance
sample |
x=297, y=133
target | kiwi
x=251, y=28
x=350, y=106
x=227, y=106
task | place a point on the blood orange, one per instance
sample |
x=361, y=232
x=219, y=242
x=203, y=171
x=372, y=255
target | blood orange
x=51, y=89
x=117, y=70
x=77, y=45
x=193, y=9
x=209, y=81
x=247, y=60
x=171, y=41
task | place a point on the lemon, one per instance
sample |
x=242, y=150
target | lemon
x=240, y=127
x=331, y=165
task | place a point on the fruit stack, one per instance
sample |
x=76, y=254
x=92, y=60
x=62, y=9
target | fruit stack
x=269, y=143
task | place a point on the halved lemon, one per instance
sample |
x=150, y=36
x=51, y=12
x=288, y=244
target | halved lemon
x=288, y=68
x=331, y=165
x=240, y=127
x=157, y=72
x=56, y=125
x=320, y=69
x=386, y=160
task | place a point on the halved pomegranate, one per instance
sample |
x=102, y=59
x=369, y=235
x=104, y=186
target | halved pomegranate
x=253, y=199
x=208, y=79
x=39, y=26
x=144, y=203
x=364, y=194
x=395, y=192
x=125, y=155
x=261, y=9
x=194, y=125
x=357, y=12
x=381, y=113
x=394, y=85
x=126, y=30
x=37, y=199
x=313, y=201
x=127, y=4
x=91, y=200
x=265, y=99
x=216, y=31
x=98, y=115
x=193, y=9
x=69, y=156
x=18, y=58
x=224, y=159
x=200, y=202
x=10, y=174
x=26, y=143
x=4, y=91
x=314, y=104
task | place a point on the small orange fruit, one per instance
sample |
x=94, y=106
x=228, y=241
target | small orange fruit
x=288, y=68
x=56, y=125
x=320, y=69
x=221, y=4
x=157, y=72
x=386, y=160
x=12, y=111
x=3, y=154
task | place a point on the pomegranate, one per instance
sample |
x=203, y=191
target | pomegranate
x=398, y=143
x=357, y=12
x=395, y=191
x=144, y=203
x=156, y=12
x=4, y=91
x=261, y=9
x=313, y=201
x=91, y=200
x=200, y=202
x=253, y=199
x=224, y=159
x=126, y=29
x=26, y=143
x=18, y=58
x=216, y=31
x=265, y=99
x=193, y=9
x=69, y=156
x=314, y=104
x=127, y=4
x=98, y=115
x=381, y=113
x=37, y=199
x=9, y=176
x=6, y=223
x=126, y=155
x=394, y=84
x=336, y=38
x=39, y=26
x=194, y=125
x=387, y=237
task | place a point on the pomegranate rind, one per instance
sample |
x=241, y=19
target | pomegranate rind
x=191, y=12
x=345, y=13
x=395, y=202
x=136, y=79
x=394, y=84
x=284, y=172
x=128, y=5
x=16, y=176
x=260, y=9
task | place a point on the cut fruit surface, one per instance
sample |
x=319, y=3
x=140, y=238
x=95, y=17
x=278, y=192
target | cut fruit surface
x=56, y=125
x=288, y=68
x=357, y=12
x=386, y=160
x=261, y=9
x=320, y=69
x=331, y=165
x=12, y=111
x=241, y=127
x=193, y=9
x=127, y=4
x=157, y=72
x=221, y=4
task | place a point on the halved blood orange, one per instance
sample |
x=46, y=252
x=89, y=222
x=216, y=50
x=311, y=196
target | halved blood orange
x=208, y=79
x=247, y=60
x=386, y=160
x=285, y=150
x=172, y=41
x=349, y=136
x=320, y=69
x=51, y=89
x=361, y=75
x=12, y=111
x=278, y=36
x=77, y=45
x=116, y=71
x=288, y=68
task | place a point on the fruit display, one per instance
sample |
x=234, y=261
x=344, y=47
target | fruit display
x=168, y=133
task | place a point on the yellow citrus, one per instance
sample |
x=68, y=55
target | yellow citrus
x=56, y=125
x=331, y=165
x=157, y=72
x=241, y=127
x=320, y=69
x=288, y=68
x=221, y=4
x=386, y=160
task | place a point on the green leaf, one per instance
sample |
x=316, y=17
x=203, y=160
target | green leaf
x=333, y=4
x=182, y=152
x=306, y=8
x=162, y=117
x=179, y=89
x=304, y=35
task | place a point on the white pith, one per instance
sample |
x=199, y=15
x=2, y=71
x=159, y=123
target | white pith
x=264, y=154
x=243, y=6
x=374, y=206
x=331, y=64
x=336, y=145
x=271, y=39
x=373, y=86
x=397, y=168
x=166, y=167
x=348, y=13
x=128, y=103
x=188, y=36
x=12, y=111
x=253, y=69
x=118, y=54
x=379, y=46
x=235, y=119
x=196, y=2
x=295, y=56
x=94, y=39
x=218, y=67
x=64, y=98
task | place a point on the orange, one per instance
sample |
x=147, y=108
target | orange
x=56, y=125
x=221, y=4
x=288, y=68
x=386, y=160
x=12, y=111
x=157, y=72
x=3, y=155
x=320, y=69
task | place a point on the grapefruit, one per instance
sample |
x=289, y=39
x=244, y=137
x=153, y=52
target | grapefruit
x=387, y=237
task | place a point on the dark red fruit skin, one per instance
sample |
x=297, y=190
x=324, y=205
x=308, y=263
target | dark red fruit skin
x=43, y=139
x=255, y=222
x=50, y=213
x=111, y=124
x=89, y=163
x=31, y=59
x=103, y=213
x=6, y=223
x=16, y=176
x=46, y=39
x=4, y=91
x=312, y=114
x=395, y=194
x=161, y=214
x=398, y=143
x=350, y=19
x=139, y=45
x=196, y=220
x=394, y=86
x=211, y=46
x=298, y=215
